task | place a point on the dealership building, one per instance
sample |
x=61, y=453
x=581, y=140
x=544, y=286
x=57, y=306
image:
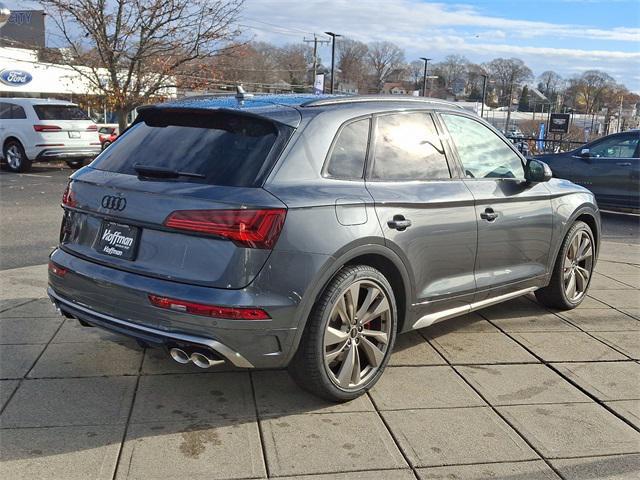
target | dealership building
x=23, y=73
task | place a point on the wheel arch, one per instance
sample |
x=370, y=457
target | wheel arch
x=587, y=214
x=9, y=138
x=375, y=255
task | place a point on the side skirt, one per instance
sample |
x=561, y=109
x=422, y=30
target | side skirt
x=432, y=318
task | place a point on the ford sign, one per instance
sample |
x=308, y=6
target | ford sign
x=15, y=78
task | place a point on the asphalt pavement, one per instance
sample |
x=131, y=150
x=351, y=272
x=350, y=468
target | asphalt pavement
x=30, y=212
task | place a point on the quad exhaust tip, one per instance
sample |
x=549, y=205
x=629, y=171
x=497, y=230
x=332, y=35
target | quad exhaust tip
x=199, y=359
x=179, y=355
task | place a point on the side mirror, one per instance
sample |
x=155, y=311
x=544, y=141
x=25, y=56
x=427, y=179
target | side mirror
x=585, y=153
x=537, y=171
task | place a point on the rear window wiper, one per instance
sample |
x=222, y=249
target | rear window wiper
x=159, y=172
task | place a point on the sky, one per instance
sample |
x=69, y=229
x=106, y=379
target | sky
x=568, y=36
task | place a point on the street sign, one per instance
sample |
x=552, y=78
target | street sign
x=318, y=84
x=559, y=123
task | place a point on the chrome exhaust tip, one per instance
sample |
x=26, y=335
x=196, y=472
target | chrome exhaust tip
x=202, y=361
x=179, y=355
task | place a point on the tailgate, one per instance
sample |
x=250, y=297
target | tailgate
x=109, y=212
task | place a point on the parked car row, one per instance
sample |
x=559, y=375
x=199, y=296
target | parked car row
x=40, y=130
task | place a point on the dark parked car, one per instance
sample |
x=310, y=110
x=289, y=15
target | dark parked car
x=307, y=232
x=609, y=167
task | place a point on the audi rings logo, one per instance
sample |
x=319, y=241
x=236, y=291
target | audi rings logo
x=114, y=203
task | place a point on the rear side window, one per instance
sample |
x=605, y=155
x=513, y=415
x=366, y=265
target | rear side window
x=226, y=149
x=9, y=111
x=59, y=112
x=349, y=151
x=408, y=148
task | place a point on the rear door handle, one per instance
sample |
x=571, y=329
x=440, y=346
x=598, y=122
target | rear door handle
x=489, y=215
x=399, y=223
x=624, y=164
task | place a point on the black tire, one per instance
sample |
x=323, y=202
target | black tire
x=308, y=367
x=554, y=295
x=75, y=164
x=105, y=145
x=15, y=157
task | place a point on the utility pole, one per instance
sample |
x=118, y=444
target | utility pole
x=424, y=77
x=315, y=42
x=620, y=112
x=484, y=93
x=333, y=57
x=506, y=124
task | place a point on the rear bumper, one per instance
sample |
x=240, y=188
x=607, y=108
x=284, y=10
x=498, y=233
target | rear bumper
x=68, y=153
x=118, y=301
x=145, y=334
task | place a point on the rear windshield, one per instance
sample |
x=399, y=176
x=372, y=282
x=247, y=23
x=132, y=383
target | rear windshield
x=225, y=148
x=59, y=112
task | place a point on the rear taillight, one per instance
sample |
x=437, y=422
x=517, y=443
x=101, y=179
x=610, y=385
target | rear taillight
x=216, y=311
x=68, y=197
x=92, y=128
x=47, y=128
x=57, y=270
x=247, y=228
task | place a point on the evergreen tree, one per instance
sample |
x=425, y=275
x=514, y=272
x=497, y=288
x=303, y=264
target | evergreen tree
x=523, y=104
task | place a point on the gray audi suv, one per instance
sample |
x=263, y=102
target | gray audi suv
x=308, y=232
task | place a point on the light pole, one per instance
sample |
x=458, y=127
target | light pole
x=5, y=13
x=424, y=77
x=484, y=94
x=333, y=56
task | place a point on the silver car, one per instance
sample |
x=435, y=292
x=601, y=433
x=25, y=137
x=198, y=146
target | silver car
x=308, y=232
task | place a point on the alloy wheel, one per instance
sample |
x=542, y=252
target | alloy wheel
x=578, y=265
x=14, y=156
x=357, y=335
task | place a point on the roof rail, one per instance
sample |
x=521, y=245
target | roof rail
x=376, y=98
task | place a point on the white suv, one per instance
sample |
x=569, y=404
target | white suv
x=37, y=130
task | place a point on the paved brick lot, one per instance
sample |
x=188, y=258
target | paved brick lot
x=511, y=392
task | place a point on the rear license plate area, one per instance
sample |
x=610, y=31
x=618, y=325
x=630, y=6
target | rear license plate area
x=74, y=134
x=117, y=240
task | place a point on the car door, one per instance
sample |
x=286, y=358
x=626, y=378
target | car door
x=425, y=210
x=612, y=170
x=514, y=218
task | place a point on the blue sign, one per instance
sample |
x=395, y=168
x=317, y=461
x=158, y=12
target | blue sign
x=540, y=145
x=15, y=78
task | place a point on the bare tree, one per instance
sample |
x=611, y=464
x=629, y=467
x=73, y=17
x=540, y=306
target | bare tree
x=384, y=58
x=131, y=51
x=587, y=89
x=507, y=73
x=452, y=68
x=549, y=82
x=352, y=61
x=416, y=72
x=293, y=62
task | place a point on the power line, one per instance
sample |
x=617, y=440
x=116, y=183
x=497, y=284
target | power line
x=291, y=29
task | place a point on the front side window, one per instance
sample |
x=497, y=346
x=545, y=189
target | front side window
x=349, y=151
x=408, y=148
x=483, y=154
x=623, y=146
